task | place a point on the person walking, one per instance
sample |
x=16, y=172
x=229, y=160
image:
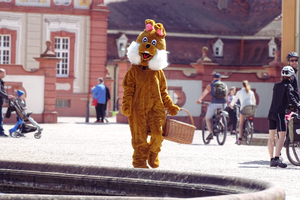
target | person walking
x=231, y=112
x=283, y=96
x=3, y=95
x=99, y=93
x=106, y=100
x=218, y=91
x=246, y=97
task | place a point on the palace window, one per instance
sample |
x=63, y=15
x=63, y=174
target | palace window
x=62, y=50
x=5, y=49
x=62, y=103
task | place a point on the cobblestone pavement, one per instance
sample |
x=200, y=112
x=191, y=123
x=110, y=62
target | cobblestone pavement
x=72, y=141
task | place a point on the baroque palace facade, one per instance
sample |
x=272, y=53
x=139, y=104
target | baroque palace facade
x=89, y=38
x=77, y=30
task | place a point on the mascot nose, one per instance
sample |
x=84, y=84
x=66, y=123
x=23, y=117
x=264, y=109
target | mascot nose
x=148, y=45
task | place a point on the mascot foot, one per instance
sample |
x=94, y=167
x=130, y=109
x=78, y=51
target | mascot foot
x=153, y=160
x=140, y=165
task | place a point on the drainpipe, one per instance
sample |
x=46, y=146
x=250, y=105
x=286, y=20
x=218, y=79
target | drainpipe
x=115, y=86
x=87, y=114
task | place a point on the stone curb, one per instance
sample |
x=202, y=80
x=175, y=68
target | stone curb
x=126, y=183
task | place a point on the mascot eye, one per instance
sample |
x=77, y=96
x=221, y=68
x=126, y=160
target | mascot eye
x=154, y=42
x=145, y=39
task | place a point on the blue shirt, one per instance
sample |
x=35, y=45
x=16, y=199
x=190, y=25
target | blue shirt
x=99, y=92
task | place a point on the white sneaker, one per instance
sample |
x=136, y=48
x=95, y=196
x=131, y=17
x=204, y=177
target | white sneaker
x=106, y=120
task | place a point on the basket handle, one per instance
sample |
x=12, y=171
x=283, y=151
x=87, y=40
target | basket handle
x=192, y=120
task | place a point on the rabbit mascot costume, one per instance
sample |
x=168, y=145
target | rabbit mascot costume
x=145, y=94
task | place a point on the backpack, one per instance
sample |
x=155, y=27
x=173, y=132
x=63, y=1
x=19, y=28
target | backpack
x=294, y=129
x=219, y=90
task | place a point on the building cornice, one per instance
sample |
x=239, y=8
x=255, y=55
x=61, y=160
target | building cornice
x=191, y=35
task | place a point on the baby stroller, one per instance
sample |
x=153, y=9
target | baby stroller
x=24, y=116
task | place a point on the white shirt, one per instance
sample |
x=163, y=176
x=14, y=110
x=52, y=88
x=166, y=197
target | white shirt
x=244, y=97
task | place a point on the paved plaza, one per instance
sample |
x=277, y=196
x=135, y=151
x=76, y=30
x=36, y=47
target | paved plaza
x=73, y=141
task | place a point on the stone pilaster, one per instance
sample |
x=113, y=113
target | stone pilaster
x=124, y=65
x=98, y=41
x=48, y=63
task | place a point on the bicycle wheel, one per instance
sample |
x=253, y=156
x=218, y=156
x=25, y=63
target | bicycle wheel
x=248, y=133
x=222, y=132
x=205, y=132
x=293, y=152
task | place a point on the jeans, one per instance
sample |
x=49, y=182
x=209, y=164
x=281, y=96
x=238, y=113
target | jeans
x=100, y=111
x=233, y=119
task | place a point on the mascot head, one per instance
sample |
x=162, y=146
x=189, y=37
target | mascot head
x=149, y=49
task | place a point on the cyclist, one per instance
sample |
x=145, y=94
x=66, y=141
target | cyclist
x=246, y=97
x=216, y=102
x=283, y=96
x=292, y=60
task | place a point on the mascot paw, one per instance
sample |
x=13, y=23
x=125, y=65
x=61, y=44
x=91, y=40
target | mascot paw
x=126, y=110
x=173, y=110
x=153, y=160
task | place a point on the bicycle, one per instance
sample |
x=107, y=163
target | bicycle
x=292, y=147
x=219, y=125
x=248, y=123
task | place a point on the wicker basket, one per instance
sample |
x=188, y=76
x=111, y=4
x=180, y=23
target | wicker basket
x=179, y=132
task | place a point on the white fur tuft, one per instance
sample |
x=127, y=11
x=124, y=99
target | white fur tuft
x=133, y=53
x=159, y=60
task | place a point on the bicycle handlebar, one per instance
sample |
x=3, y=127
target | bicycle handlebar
x=205, y=102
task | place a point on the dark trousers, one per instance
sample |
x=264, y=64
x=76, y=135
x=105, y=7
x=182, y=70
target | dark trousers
x=100, y=111
x=232, y=119
x=105, y=108
x=1, y=121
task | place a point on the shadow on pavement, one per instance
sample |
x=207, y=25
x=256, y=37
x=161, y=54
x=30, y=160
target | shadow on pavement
x=204, y=144
x=96, y=124
x=257, y=162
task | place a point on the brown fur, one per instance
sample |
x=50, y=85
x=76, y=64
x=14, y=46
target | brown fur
x=145, y=100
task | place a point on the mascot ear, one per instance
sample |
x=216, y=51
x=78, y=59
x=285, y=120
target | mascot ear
x=149, y=24
x=160, y=30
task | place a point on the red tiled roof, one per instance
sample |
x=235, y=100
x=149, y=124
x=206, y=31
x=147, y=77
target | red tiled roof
x=242, y=17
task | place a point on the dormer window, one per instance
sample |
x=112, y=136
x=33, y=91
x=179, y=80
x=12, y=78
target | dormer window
x=218, y=48
x=121, y=44
x=272, y=47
